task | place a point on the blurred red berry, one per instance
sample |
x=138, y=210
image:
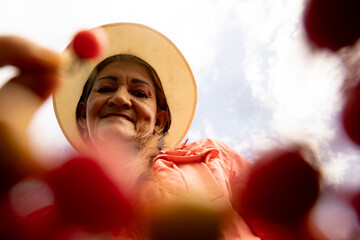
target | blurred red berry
x=42, y=223
x=332, y=24
x=85, y=195
x=282, y=187
x=8, y=221
x=88, y=44
x=351, y=114
x=13, y=226
x=356, y=204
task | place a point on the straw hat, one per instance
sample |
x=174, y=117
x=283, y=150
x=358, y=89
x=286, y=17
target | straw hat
x=154, y=48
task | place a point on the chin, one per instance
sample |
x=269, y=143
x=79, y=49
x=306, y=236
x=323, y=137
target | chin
x=115, y=134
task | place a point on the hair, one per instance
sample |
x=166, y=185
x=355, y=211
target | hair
x=159, y=92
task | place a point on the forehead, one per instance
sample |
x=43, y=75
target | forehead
x=125, y=68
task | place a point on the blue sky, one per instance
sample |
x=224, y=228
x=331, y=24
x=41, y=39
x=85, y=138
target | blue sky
x=259, y=85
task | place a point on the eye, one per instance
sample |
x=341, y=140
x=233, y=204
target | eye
x=105, y=89
x=140, y=94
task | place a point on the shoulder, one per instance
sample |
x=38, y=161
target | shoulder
x=207, y=143
x=233, y=160
x=205, y=150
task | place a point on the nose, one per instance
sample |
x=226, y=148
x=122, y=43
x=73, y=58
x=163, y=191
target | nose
x=121, y=98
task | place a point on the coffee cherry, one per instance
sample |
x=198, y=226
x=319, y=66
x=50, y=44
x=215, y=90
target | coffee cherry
x=89, y=44
x=85, y=195
x=356, y=203
x=332, y=24
x=351, y=114
x=282, y=187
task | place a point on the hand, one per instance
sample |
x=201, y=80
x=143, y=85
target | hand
x=20, y=97
x=39, y=75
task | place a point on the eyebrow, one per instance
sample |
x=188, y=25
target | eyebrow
x=108, y=77
x=135, y=80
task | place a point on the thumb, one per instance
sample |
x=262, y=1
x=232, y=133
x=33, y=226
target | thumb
x=27, y=56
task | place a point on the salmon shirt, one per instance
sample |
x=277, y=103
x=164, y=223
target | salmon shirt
x=207, y=168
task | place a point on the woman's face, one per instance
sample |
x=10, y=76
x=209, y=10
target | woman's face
x=121, y=105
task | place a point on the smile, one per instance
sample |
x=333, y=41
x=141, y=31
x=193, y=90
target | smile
x=118, y=115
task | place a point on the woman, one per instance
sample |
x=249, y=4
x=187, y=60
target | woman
x=143, y=93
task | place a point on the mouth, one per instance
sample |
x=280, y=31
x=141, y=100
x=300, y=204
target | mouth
x=119, y=115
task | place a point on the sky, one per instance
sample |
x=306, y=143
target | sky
x=259, y=84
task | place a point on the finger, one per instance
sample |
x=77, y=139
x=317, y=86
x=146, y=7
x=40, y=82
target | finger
x=41, y=83
x=27, y=56
x=17, y=106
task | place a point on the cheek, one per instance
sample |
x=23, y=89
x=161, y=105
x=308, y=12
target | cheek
x=147, y=114
x=93, y=108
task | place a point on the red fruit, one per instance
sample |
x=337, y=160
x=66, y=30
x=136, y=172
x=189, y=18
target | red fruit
x=351, y=114
x=87, y=197
x=282, y=187
x=356, y=204
x=8, y=220
x=13, y=226
x=88, y=44
x=332, y=24
x=42, y=223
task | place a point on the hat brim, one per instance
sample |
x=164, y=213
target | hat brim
x=157, y=50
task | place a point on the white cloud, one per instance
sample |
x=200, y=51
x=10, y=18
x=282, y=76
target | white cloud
x=209, y=131
x=193, y=134
x=342, y=168
x=260, y=141
x=300, y=89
